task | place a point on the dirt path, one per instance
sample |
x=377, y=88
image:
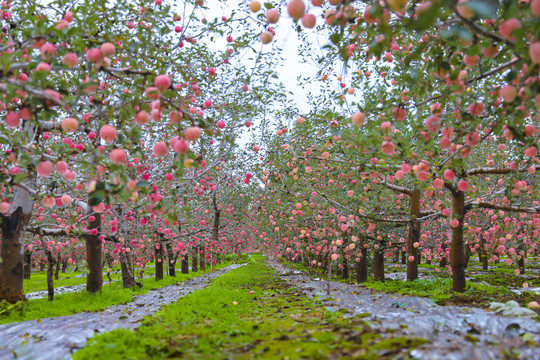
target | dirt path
x=455, y=333
x=57, y=338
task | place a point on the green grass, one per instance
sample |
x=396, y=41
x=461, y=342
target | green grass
x=80, y=301
x=225, y=321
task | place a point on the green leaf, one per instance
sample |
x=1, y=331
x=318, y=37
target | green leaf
x=483, y=9
x=96, y=197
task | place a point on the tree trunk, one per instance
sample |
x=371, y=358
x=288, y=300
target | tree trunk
x=94, y=256
x=194, y=260
x=345, y=268
x=521, y=265
x=467, y=250
x=64, y=265
x=128, y=278
x=414, y=236
x=457, y=254
x=185, y=264
x=12, y=246
x=50, y=271
x=42, y=264
x=362, y=267
x=171, y=261
x=158, y=254
x=57, y=271
x=403, y=257
x=11, y=256
x=378, y=265
x=27, y=264
x=483, y=254
x=202, y=261
x=339, y=271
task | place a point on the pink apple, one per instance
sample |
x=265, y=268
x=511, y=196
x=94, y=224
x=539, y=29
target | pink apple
x=463, y=185
x=449, y=175
x=118, y=156
x=296, y=9
x=272, y=16
x=69, y=125
x=13, y=119
x=508, y=93
x=535, y=7
x=192, y=133
x=44, y=168
x=358, y=118
x=160, y=148
x=309, y=21
x=108, y=133
x=142, y=117
x=162, y=82
x=94, y=55
x=70, y=60
x=107, y=49
x=388, y=148
x=152, y=93
x=531, y=151
x=534, y=52
x=61, y=167
x=508, y=27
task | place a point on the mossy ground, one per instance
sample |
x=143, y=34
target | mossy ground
x=225, y=321
x=482, y=287
x=80, y=301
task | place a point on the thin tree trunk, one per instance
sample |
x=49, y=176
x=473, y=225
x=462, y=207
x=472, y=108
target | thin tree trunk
x=64, y=265
x=483, y=254
x=158, y=253
x=202, y=261
x=378, y=265
x=94, y=256
x=457, y=254
x=345, y=268
x=194, y=260
x=27, y=264
x=185, y=264
x=404, y=257
x=57, y=271
x=362, y=267
x=50, y=271
x=171, y=261
x=414, y=236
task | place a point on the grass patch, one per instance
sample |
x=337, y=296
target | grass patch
x=76, y=302
x=226, y=321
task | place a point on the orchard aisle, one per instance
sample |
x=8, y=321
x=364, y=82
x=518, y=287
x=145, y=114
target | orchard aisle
x=453, y=332
x=56, y=338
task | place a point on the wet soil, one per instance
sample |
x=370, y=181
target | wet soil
x=57, y=338
x=454, y=333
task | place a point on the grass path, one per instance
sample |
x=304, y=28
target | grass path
x=249, y=313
